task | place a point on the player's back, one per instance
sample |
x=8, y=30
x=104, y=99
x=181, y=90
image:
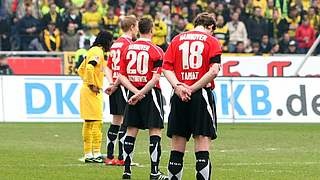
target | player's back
x=141, y=59
x=189, y=55
x=116, y=51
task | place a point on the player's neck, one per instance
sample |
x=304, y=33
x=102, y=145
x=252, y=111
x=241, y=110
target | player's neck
x=200, y=28
x=145, y=37
x=127, y=35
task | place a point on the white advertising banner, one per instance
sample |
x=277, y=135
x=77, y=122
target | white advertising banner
x=268, y=99
x=269, y=66
x=43, y=99
x=239, y=99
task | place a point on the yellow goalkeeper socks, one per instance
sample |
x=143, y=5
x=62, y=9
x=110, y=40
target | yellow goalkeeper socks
x=97, y=137
x=87, y=136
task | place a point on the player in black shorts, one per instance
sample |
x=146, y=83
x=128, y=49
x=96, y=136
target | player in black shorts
x=117, y=93
x=140, y=73
x=191, y=62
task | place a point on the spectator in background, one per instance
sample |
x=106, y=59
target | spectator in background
x=305, y=36
x=221, y=10
x=262, y=4
x=70, y=39
x=193, y=11
x=256, y=25
x=15, y=40
x=52, y=16
x=274, y=30
x=275, y=49
x=52, y=39
x=284, y=43
x=37, y=43
x=237, y=32
x=256, y=48
x=4, y=32
x=110, y=23
x=87, y=38
x=179, y=28
x=268, y=14
x=313, y=18
x=92, y=18
x=160, y=32
x=291, y=22
x=166, y=17
x=240, y=48
x=147, y=13
x=28, y=28
x=4, y=67
x=265, y=45
x=73, y=17
x=222, y=33
x=292, y=49
x=176, y=6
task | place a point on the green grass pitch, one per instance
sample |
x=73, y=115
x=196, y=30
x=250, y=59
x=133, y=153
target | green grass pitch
x=242, y=151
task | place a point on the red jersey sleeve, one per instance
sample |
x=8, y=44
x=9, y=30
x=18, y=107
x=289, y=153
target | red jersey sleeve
x=123, y=62
x=169, y=58
x=157, y=60
x=215, y=47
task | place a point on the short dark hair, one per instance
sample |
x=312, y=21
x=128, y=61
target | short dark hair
x=103, y=39
x=145, y=25
x=205, y=19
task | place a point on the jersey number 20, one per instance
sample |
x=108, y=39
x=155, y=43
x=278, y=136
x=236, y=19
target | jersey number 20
x=191, y=54
x=140, y=59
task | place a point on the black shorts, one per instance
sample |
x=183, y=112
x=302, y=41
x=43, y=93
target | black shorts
x=147, y=113
x=196, y=117
x=118, y=101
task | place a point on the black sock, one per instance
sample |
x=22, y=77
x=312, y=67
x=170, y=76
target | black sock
x=175, y=166
x=128, y=147
x=122, y=133
x=155, y=153
x=111, y=139
x=203, y=165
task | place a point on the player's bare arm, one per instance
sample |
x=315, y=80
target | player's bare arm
x=181, y=89
x=207, y=78
x=138, y=96
x=112, y=85
x=126, y=83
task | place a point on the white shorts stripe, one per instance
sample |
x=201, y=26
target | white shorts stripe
x=154, y=97
x=125, y=96
x=210, y=110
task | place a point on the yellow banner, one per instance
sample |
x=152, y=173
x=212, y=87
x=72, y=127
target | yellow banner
x=69, y=63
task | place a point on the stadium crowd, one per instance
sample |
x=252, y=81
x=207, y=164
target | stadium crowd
x=243, y=26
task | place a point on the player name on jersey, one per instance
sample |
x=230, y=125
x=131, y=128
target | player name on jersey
x=200, y=37
x=189, y=75
x=133, y=78
x=139, y=47
x=117, y=45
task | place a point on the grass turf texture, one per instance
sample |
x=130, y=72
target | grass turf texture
x=242, y=151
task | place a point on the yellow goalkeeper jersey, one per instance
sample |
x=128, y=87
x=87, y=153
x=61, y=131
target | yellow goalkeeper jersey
x=91, y=103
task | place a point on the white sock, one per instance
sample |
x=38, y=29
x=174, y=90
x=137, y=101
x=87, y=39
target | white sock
x=95, y=155
x=88, y=155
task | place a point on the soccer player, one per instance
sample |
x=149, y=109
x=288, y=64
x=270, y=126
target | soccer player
x=91, y=72
x=118, y=94
x=140, y=73
x=191, y=62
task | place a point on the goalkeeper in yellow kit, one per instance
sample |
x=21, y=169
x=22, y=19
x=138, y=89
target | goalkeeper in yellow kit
x=91, y=72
